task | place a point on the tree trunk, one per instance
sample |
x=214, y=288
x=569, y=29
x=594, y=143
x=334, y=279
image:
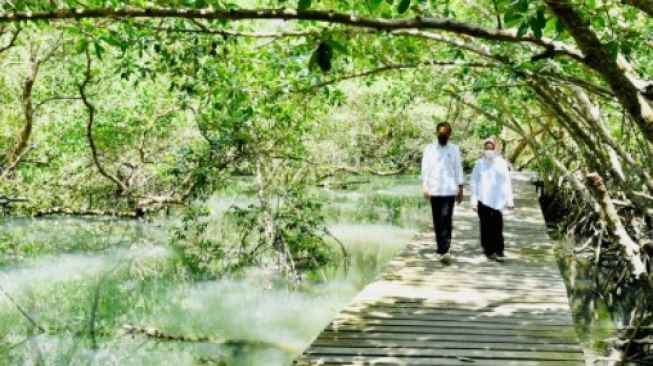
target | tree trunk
x=629, y=249
x=598, y=57
x=28, y=112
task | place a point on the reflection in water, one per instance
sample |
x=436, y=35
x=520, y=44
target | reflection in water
x=65, y=263
x=595, y=320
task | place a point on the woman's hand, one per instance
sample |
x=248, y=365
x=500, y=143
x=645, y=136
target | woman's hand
x=460, y=196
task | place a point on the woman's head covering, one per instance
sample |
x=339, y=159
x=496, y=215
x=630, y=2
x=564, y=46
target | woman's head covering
x=491, y=141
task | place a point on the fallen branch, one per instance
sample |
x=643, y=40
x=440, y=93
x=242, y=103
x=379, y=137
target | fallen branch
x=22, y=311
x=6, y=200
x=82, y=212
x=162, y=335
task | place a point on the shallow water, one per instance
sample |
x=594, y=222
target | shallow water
x=595, y=323
x=120, y=273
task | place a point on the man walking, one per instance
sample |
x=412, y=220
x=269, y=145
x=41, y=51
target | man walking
x=442, y=184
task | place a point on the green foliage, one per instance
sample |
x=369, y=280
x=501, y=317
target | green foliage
x=486, y=129
x=304, y=5
x=197, y=251
x=403, y=6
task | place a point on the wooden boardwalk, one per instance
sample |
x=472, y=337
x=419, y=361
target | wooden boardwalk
x=472, y=312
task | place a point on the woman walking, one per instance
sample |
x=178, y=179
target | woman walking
x=491, y=193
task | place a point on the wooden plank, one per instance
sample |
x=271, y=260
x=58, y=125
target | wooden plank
x=447, y=353
x=404, y=303
x=366, y=322
x=569, y=333
x=472, y=338
x=486, y=321
x=412, y=343
x=422, y=361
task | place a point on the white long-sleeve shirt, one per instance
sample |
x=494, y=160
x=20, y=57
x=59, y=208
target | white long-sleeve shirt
x=491, y=183
x=442, y=169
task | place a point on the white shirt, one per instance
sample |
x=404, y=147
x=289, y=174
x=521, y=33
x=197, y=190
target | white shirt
x=442, y=169
x=491, y=183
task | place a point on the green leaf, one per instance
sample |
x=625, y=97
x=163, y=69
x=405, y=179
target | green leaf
x=304, y=5
x=81, y=45
x=113, y=41
x=560, y=27
x=374, y=4
x=512, y=18
x=522, y=29
x=98, y=50
x=599, y=22
x=403, y=6
x=541, y=18
x=613, y=48
x=337, y=46
x=522, y=6
x=536, y=28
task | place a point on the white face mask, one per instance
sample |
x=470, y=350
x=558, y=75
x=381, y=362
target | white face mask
x=489, y=153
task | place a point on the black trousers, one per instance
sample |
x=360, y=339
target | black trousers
x=491, y=229
x=442, y=210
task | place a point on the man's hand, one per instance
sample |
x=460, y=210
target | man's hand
x=427, y=196
x=475, y=208
x=460, y=196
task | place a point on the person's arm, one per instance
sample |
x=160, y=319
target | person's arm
x=473, y=188
x=460, y=178
x=507, y=188
x=425, y=172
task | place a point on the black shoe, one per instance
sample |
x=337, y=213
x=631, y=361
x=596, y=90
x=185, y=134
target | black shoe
x=491, y=257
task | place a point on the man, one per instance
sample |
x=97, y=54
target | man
x=442, y=184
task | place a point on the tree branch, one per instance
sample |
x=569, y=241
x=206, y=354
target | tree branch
x=21, y=310
x=89, y=126
x=28, y=112
x=326, y=16
x=48, y=100
x=12, y=41
x=617, y=73
x=627, y=246
x=397, y=67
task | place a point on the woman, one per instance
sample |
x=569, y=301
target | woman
x=491, y=193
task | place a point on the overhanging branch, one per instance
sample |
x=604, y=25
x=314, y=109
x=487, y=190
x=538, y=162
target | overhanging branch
x=398, y=67
x=325, y=16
